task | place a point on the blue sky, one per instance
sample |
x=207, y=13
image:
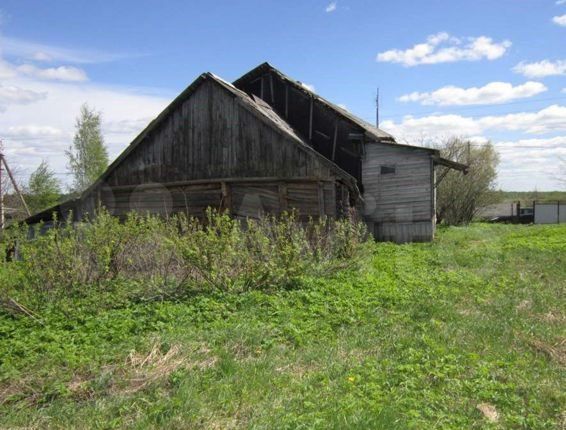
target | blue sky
x=487, y=70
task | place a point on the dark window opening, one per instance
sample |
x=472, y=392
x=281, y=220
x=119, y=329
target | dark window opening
x=387, y=170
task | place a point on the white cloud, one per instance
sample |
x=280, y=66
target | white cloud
x=331, y=7
x=541, y=69
x=560, y=2
x=61, y=73
x=558, y=142
x=444, y=48
x=12, y=95
x=41, y=52
x=492, y=93
x=527, y=163
x=38, y=105
x=549, y=119
x=560, y=20
x=41, y=56
x=25, y=132
x=45, y=128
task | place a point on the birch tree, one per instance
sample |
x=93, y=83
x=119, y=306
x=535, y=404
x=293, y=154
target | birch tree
x=88, y=157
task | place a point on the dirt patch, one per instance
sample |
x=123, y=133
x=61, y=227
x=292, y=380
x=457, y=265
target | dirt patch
x=525, y=304
x=553, y=317
x=489, y=412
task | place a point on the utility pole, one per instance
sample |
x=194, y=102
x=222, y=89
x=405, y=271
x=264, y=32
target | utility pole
x=377, y=108
x=4, y=163
x=1, y=188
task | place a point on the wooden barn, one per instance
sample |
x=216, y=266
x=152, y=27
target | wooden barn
x=266, y=144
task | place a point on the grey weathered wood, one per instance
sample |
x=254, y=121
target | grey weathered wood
x=334, y=141
x=401, y=203
x=310, y=118
x=271, y=88
x=283, y=200
x=286, y=101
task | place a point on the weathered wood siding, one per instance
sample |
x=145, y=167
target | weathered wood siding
x=398, y=206
x=202, y=154
x=211, y=135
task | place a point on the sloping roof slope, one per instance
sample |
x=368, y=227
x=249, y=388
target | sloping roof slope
x=266, y=67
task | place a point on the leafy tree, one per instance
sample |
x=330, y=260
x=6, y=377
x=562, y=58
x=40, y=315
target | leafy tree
x=459, y=196
x=88, y=157
x=44, y=189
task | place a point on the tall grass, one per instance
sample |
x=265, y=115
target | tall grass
x=171, y=255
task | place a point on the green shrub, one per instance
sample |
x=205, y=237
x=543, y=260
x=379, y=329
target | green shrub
x=171, y=255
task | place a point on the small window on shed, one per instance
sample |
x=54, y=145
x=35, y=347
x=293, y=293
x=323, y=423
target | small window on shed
x=388, y=170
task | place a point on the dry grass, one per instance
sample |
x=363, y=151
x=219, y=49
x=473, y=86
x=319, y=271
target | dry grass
x=143, y=369
x=556, y=352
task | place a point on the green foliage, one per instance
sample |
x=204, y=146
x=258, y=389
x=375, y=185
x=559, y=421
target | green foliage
x=43, y=190
x=88, y=157
x=417, y=337
x=459, y=196
x=173, y=255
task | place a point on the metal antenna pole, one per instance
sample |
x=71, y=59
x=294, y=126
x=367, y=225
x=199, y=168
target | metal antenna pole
x=377, y=108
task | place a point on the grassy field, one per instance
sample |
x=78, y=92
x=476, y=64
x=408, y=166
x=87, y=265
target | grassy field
x=467, y=332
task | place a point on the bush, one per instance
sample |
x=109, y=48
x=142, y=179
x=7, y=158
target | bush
x=459, y=196
x=170, y=256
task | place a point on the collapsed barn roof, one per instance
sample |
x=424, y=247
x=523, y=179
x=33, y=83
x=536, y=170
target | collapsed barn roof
x=373, y=133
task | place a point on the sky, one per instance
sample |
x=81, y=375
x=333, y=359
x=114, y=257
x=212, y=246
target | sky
x=484, y=70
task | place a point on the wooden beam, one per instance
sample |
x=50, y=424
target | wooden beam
x=286, y=101
x=321, y=210
x=226, y=197
x=1, y=195
x=16, y=188
x=216, y=183
x=283, y=198
x=310, y=119
x=320, y=133
x=442, y=175
x=271, y=88
x=261, y=92
x=335, y=139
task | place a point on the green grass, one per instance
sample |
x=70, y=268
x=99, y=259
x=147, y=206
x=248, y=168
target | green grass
x=418, y=339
